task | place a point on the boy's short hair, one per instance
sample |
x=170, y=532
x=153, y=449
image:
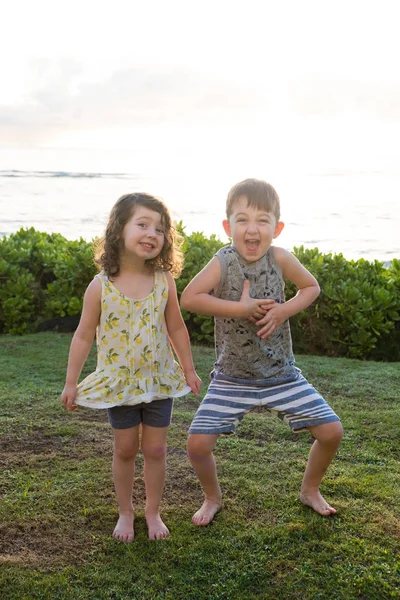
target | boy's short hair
x=259, y=194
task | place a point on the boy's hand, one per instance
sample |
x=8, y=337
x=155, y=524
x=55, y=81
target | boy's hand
x=251, y=307
x=193, y=381
x=257, y=315
x=68, y=396
x=276, y=315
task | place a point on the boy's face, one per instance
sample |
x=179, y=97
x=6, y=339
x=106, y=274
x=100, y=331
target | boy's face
x=251, y=229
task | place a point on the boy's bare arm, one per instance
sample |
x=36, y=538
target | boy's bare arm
x=307, y=285
x=196, y=297
x=308, y=291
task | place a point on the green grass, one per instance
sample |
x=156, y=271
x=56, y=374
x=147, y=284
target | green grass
x=57, y=506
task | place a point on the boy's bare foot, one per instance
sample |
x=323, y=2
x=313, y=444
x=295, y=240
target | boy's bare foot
x=206, y=513
x=124, y=528
x=317, y=502
x=157, y=528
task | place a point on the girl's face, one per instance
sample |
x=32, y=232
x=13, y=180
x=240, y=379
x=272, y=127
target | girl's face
x=143, y=235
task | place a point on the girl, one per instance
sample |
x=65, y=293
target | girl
x=133, y=305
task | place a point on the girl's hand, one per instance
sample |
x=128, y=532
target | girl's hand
x=251, y=307
x=193, y=381
x=276, y=315
x=68, y=396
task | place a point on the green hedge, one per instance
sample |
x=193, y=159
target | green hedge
x=44, y=276
x=198, y=251
x=357, y=313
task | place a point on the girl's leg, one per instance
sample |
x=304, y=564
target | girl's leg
x=327, y=439
x=154, y=448
x=126, y=445
x=200, y=448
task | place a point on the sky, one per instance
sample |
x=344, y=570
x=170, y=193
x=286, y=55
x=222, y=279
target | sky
x=189, y=97
x=222, y=75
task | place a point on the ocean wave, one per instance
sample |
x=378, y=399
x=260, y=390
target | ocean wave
x=71, y=174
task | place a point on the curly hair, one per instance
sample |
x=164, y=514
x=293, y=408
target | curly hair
x=108, y=249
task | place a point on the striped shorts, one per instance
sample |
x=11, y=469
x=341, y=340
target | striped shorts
x=225, y=404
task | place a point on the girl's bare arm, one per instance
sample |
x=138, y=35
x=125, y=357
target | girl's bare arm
x=82, y=341
x=179, y=336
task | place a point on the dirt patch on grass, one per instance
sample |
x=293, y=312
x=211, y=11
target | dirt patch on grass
x=23, y=558
x=389, y=524
x=188, y=405
x=96, y=416
x=41, y=545
x=265, y=437
x=34, y=441
x=45, y=544
x=181, y=485
x=20, y=447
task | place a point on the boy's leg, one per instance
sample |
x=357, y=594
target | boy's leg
x=327, y=439
x=126, y=445
x=154, y=448
x=302, y=407
x=200, y=451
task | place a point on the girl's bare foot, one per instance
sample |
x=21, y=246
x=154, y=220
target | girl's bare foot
x=317, y=502
x=157, y=528
x=206, y=513
x=124, y=528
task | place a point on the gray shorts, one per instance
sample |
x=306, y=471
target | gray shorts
x=155, y=414
x=295, y=402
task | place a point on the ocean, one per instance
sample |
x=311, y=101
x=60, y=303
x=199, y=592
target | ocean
x=355, y=212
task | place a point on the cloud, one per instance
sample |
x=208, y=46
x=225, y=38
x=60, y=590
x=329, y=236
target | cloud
x=341, y=96
x=63, y=98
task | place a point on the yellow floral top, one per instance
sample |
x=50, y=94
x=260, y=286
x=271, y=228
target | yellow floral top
x=135, y=362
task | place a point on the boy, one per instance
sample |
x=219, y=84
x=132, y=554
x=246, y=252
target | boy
x=243, y=288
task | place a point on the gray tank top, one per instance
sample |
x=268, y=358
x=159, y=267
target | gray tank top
x=241, y=354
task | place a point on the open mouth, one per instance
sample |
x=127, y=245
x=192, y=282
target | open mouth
x=252, y=245
x=147, y=246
